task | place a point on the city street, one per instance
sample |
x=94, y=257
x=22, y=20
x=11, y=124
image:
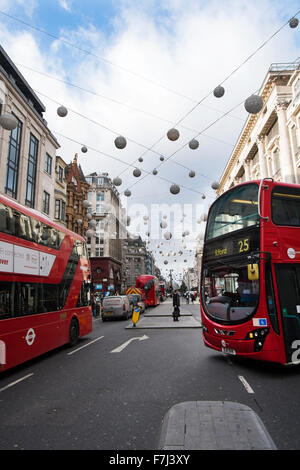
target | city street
x=113, y=389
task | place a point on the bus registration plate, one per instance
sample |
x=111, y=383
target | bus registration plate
x=229, y=351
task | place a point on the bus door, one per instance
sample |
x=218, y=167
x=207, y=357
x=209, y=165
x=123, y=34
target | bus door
x=288, y=286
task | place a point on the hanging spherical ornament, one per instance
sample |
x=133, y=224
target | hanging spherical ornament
x=165, y=262
x=127, y=193
x=161, y=158
x=193, y=144
x=204, y=217
x=8, y=121
x=175, y=189
x=203, y=196
x=163, y=224
x=89, y=216
x=89, y=232
x=219, y=91
x=192, y=174
x=140, y=159
x=165, y=216
x=93, y=222
x=62, y=111
x=154, y=172
x=79, y=221
x=173, y=134
x=254, y=104
x=293, y=22
x=120, y=142
x=168, y=235
x=84, y=149
x=137, y=172
x=215, y=185
x=86, y=203
x=117, y=181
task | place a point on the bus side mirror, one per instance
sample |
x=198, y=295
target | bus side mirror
x=253, y=272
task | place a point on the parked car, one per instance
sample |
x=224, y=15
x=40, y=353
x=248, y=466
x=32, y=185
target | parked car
x=136, y=299
x=116, y=306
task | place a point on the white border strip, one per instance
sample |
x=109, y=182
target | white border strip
x=15, y=382
x=245, y=383
x=84, y=346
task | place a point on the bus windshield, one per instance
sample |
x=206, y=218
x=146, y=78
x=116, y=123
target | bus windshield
x=228, y=294
x=235, y=210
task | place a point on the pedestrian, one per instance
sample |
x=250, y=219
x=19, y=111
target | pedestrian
x=176, y=305
x=93, y=305
x=192, y=298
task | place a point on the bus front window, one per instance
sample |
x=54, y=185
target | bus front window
x=229, y=295
x=235, y=210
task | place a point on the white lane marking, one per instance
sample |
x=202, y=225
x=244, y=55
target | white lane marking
x=246, y=385
x=123, y=346
x=85, y=345
x=15, y=382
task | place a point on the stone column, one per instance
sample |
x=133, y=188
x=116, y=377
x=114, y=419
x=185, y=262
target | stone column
x=260, y=141
x=247, y=170
x=285, y=151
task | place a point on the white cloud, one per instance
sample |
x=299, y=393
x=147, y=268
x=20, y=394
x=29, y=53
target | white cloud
x=65, y=4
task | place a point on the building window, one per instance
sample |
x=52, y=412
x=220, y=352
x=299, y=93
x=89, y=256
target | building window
x=46, y=202
x=60, y=210
x=48, y=163
x=13, y=161
x=99, y=209
x=100, y=196
x=100, y=181
x=31, y=171
x=60, y=173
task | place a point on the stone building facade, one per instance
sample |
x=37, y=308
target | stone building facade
x=269, y=144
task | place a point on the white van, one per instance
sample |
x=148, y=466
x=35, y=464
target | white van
x=116, y=306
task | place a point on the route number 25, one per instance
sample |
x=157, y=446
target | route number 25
x=243, y=245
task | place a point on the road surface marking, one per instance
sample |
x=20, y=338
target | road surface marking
x=15, y=382
x=85, y=345
x=123, y=346
x=246, y=385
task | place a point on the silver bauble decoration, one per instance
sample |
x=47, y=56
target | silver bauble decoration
x=137, y=172
x=127, y=192
x=193, y=144
x=192, y=174
x=168, y=235
x=8, y=121
x=163, y=224
x=173, y=134
x=154, y=172
x=175, y=189
x=254, y=104
x=84, y=149
x=117, y=181
x=215, y=185
x=120, y=142
x=293, y=22
x=219, y=91
x=62, y=111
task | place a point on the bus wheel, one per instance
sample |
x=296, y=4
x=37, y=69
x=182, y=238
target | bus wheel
x=73, y=332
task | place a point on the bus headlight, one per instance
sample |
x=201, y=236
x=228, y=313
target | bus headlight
x=259, y=337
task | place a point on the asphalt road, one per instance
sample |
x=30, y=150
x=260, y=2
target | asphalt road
x=111, y=391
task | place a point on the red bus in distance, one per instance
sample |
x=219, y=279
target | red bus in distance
x=250, y=280
x=150, y=286
x=162, y=288
x=44, y=285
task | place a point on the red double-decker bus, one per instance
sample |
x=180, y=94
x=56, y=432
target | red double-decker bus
x=44, y=285
x=150, y=286
x=162, y=288
x=250, y=281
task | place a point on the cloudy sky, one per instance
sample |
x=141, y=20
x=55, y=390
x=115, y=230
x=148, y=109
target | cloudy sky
x=137, y=69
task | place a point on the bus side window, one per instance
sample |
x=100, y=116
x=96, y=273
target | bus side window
x=271, y=299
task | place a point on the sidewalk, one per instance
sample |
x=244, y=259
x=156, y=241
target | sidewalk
x=213, y=425
x=161, y=317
